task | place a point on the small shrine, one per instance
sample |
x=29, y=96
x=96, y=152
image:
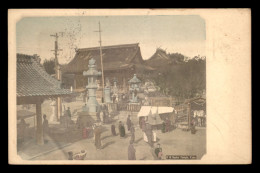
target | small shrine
x=134, y=88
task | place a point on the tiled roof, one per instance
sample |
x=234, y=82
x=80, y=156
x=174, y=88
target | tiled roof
x=114, y=57
x=33, y=80
x=159, y=58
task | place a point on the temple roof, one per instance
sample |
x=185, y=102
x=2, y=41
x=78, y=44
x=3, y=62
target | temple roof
x=33, y=80
x=159, y=58
x=114, y=57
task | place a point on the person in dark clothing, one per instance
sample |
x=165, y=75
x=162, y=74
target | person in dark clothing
x=132, y=130
x=113, y=130
x=143, y=124
x=70, y=155
x=163, y=127
x=131, y=151
x=97, y=133
x=45, y=126
x=68, y=112
x=22, y=129
x=167, y=125
x=128, y=123
x=149, y=134
x=158, y=152
x=121, y=129
x=192, y=128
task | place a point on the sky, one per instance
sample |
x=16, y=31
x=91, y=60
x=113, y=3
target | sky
x=185, y=34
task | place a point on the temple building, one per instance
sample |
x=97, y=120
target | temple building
x=119, y=61
x=159, y=59
x=34, y=85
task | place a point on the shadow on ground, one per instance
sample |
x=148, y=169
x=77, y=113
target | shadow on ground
x=107, y=144
x=138, y=140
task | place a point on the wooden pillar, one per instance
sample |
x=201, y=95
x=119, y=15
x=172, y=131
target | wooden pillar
x=59, y=108
x=189, y=115
x=75, y=82
x=39, y=129
x=58, y=103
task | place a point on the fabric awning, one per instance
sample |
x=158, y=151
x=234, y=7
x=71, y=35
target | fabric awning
x=145, y=110
x=154, y=119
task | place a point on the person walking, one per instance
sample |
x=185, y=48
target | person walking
x=149, y=134
x=132, y=130
x=45, y=126
x=128, y=123
x=131, y=151
x=192, y=128
x=113, y=130
x=121, y=129
x=158, y=152
x=70, y=155
x=68, y=112
x=97, y=132
x=22, y=129
x=167, y=124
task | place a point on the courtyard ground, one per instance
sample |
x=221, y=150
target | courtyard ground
x=176, y=142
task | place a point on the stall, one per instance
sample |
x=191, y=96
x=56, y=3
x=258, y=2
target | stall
x=197, y=111
x=155, y=115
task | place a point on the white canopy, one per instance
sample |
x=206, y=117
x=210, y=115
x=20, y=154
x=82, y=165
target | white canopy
x=145, y=110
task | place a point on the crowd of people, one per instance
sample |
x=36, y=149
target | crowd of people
x=121, y=131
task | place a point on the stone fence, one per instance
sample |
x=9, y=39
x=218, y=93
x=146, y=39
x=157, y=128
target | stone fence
x=133, y=107
x=113, y=107
x=162, y=101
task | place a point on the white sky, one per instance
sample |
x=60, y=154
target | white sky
x=184, y=34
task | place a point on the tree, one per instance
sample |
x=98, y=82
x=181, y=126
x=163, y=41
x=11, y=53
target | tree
x=184, y=79
x=49, y=66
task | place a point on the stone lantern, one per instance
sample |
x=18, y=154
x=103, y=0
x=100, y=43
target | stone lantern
x=92, y=74
x=134, y=88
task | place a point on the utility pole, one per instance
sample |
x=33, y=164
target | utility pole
x=58, y=75
x=56, y=49
x=101, y=59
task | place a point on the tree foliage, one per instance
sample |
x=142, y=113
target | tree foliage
x=49, y=66
x=184, y=78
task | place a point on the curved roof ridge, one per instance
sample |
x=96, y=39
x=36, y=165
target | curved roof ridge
x=109, y=47
x=33, y=80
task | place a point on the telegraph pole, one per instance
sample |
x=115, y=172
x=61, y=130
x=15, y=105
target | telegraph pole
x=101, y=59
x=58, y=74
x=56, y=49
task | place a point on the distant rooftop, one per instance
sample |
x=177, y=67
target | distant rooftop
x=115, y=57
